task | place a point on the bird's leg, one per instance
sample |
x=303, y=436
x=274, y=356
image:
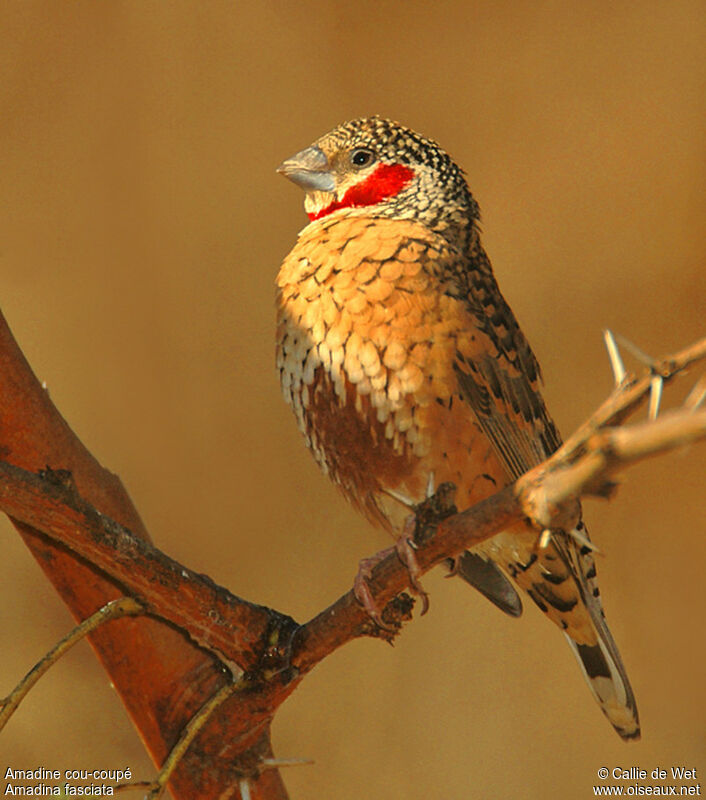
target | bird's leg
x=418, y=528
x=406, y=552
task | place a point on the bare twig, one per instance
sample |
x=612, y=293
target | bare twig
x=608, y=452
x=122, y=607
x=630, y=395
x=195, y=724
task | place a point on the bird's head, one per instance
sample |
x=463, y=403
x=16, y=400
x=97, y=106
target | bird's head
x=373, y=166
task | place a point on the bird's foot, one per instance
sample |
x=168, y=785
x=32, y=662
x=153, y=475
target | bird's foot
x=361, y=587
x=404, y=548
x=418, y=529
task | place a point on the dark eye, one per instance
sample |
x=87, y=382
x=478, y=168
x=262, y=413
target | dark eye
x=362, y=157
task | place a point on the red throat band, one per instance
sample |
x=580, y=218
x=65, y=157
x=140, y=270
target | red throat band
x=386, y=181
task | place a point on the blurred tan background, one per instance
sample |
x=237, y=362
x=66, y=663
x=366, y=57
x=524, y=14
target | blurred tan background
x=141, y=227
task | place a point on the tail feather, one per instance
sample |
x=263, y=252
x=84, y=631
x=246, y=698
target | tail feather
x=601, y=663
x=608, y=682
x=489, y=580
x=561, y=579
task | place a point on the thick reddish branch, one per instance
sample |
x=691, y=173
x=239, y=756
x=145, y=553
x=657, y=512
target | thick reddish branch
x=231, y=628
x=255, y=638
x=162, y=677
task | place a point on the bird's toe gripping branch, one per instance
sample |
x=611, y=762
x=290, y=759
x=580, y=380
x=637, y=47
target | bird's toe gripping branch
x=405, y=549
x=418, y=530
x=363, y=594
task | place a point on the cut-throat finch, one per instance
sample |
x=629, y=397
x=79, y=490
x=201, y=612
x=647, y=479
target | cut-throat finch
x=405, y=367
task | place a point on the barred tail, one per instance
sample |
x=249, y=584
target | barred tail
x=606, y=677
x=561, y=579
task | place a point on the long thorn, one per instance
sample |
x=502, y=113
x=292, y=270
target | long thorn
x=656, y=386
x=697, y=395
x=431, y=483
x=244, y=786
x=122, y=607
x=616, y=362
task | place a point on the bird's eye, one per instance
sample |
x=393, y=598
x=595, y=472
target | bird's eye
x=362, y=157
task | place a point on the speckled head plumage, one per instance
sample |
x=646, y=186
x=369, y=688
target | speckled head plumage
x=374, y=166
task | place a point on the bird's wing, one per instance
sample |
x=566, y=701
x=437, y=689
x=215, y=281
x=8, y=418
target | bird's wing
x=502, y=385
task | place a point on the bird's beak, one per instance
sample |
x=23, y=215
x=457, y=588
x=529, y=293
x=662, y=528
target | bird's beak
x=310, y=170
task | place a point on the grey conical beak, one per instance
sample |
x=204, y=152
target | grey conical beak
x=310, y=170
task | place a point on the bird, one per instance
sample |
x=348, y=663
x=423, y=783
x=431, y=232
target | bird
x=405, y=367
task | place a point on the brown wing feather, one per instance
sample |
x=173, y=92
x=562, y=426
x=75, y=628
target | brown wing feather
x=503, y=387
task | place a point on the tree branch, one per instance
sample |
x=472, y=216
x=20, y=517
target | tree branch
x=234, y=629
x=266, y=650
